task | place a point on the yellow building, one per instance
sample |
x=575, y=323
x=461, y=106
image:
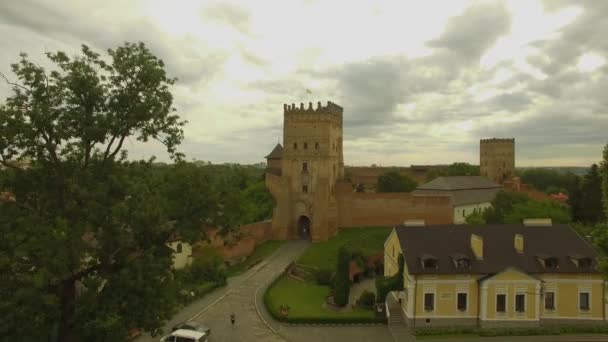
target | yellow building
x=503, y=275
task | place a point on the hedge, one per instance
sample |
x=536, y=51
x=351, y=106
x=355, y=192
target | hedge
x=558, y=330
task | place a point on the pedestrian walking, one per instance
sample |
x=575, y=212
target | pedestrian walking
x=232, y=319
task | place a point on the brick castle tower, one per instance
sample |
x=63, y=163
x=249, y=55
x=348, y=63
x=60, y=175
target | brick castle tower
x=497, y=159
x=302, y=174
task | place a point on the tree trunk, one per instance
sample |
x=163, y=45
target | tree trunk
x=68, y=296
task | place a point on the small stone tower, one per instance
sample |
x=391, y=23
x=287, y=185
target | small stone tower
x=311, y=163
x=497, y=159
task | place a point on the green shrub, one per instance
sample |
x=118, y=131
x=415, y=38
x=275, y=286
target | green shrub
x=342, y=280
x=208, y=266
x=323, y=277
x=393, y=283
x=367, y=299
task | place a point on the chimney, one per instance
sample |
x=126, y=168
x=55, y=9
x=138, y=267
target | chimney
x=537, y=222
x=518, y=243
x=414, y=223
x=477, y=246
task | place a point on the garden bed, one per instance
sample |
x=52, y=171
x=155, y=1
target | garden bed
x=305, y=300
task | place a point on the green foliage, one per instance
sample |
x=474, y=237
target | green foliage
x=342, y=280
x=305, y=300
x=388, y=284
x=533, y=209
x=552, y=189
x=604, y=175
x=258, y=201
x=367, y=240
x=208, y=265
x=323, y=277
x=476, y=218
x=547, y=179
x=393, y=181
x=586, y=202
x=455, y=169
x=485, y=332
x=502, y=205
x=367, y=299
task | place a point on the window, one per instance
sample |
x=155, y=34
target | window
x=584, y=262
x=305, y=189
x=463, y=263
x=463, y=212
x=429, y=263
x=304, y=167
x=520, y=302
x=305, y=146
x=316, y=146
x=429, y=301
x=462, y=302
x=501, y=302
x=551, y=263
x=549, y=300
x=179, y=248
x=583, y=301
x=295, y=146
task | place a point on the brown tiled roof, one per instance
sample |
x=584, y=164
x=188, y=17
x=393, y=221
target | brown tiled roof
x=459, y=183
x=277, y=152
x=462, y=197
x=443, y=242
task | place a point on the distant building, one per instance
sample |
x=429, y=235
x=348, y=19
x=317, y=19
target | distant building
x=470, y=194
x=497, y=159
x=495, y=276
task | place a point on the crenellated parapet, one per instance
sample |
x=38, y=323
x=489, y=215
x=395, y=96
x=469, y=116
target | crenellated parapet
x=331, y=108
x=497, y=140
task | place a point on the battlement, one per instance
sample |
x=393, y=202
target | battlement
x=331, y=108
x=497, y=140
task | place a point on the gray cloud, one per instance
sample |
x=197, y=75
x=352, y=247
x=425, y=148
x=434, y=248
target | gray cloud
x=475, y=31
x=229, y=14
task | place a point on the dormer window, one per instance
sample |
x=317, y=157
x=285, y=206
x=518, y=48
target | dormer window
x=429, y=262
x=584, y=263
x=551, y=263
x=461, y=261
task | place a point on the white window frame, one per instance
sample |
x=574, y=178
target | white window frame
x=515, y=303
x=424, y=300
x=588, y=299
x=501, y=313
x=467, y=303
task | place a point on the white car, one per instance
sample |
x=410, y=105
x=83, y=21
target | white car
x=183, y=335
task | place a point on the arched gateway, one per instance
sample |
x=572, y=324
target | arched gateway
x=304, y=227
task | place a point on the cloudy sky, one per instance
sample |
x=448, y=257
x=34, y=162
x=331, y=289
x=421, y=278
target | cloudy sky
x=420, y=81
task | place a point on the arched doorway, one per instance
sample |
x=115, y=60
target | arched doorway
x=304, y=227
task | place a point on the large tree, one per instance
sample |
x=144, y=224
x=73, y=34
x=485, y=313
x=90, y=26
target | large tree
x=83, y=239
x=455, y=169
x=604, y=174
x=393, y=181
x=587, y=202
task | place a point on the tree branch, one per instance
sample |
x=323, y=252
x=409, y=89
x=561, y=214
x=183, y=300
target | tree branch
x=13, y=84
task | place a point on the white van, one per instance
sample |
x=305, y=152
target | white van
x=183, y=335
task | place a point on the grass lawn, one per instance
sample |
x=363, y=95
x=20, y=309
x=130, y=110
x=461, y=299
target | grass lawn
x=324, y=255
x=260, y=253
x=305, y=300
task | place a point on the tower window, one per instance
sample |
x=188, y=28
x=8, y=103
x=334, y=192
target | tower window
x=305, y=146
x=316, y=146
x=304, y=167
x=295, y=146
x=305, y=189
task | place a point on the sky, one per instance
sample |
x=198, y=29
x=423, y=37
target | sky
x=420, y=81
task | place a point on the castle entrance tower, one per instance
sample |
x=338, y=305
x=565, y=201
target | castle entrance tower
x=497, y=159
x=311, y=163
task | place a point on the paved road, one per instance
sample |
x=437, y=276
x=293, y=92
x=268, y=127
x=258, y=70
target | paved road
x=238, y=296
x=557, y=338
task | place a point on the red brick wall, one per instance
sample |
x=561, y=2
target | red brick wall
x=387, y=209
x=240, y=246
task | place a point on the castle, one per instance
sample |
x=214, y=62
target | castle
x=313, y=198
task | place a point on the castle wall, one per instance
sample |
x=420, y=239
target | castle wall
x=387, y=209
